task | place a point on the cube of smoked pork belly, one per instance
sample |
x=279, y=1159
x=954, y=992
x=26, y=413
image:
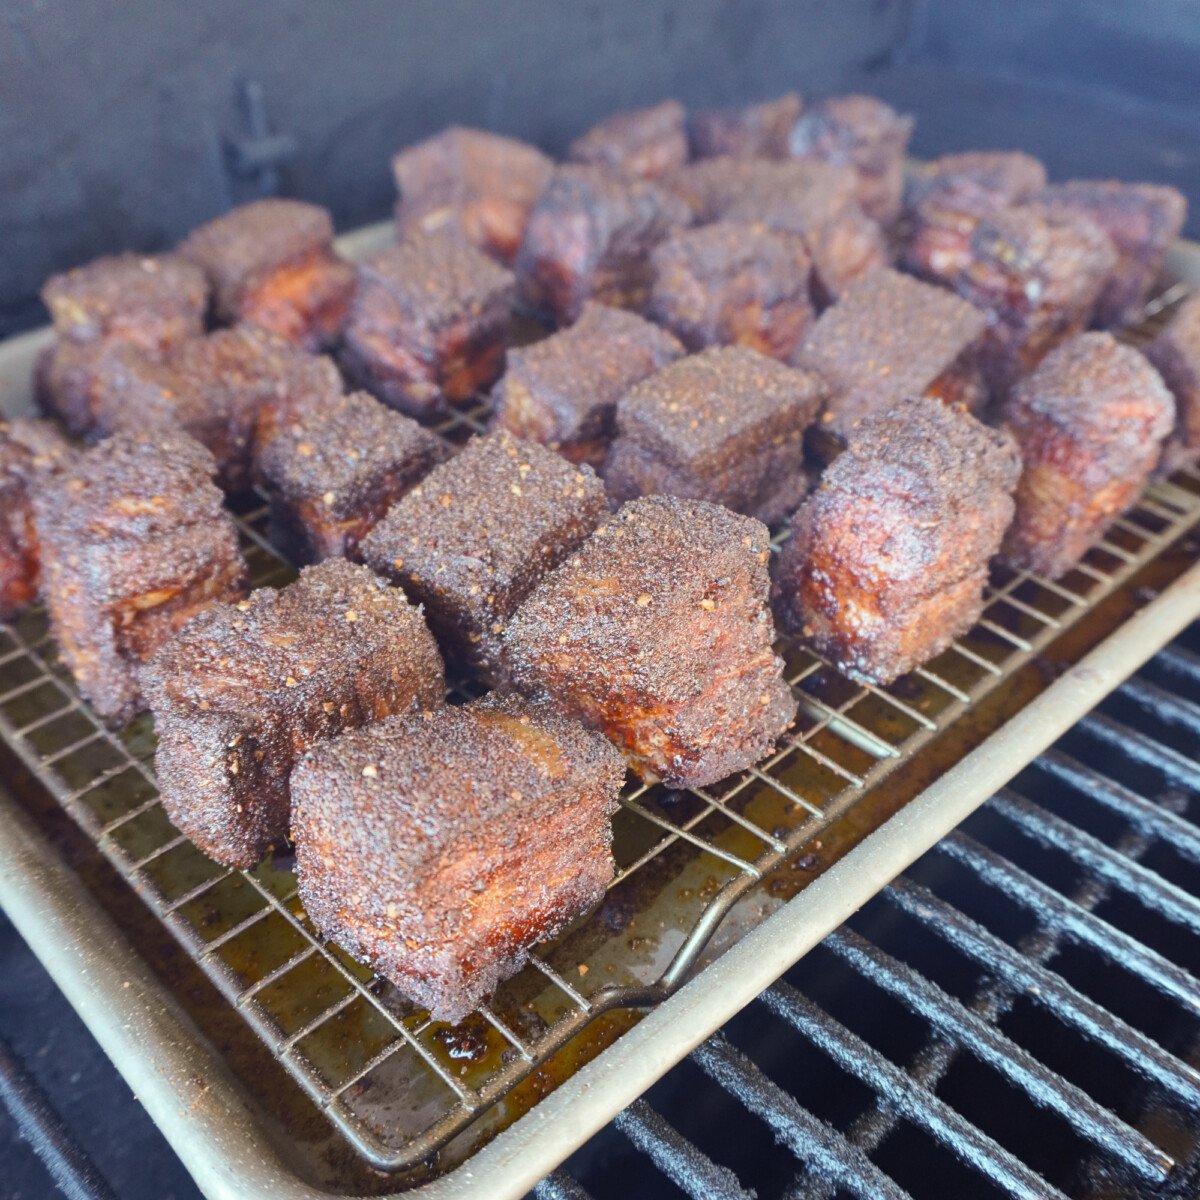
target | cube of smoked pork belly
x=1175, y=352
x=472, y=540
x=334, y=474
x=479, y=184
x=563, y=390
x=889, y=555
x=1142, y=219
x=725, y=425
x=946, y=199
x=888, y=337
x=30, y=452
x=429, y=324
x=505, y=802
x=642, y=143
x=756, y=131
x=866, y=134
x=1090, y=423
x=246, y=689
x=658, y=634
x=134, y=543
x=271, y=263
x=727, y=284
x=1038, y=273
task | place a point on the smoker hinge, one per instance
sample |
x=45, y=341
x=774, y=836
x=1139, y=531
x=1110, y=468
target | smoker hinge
x=258, y=155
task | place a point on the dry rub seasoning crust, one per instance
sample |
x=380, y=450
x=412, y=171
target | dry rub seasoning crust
x=725, y=425
x=658, y=634
x=642, y=143
x=429, y=324
x=756, y=131
x=134, y=544
x=1176, y=354
x=731, y=284
x=242, y=692
x=481, y=185
x=30, y=452
x=271, y=263
x=438, y=847
x=889, y=556
x=473, y=539
x=333, y=475
x=1090, y=422
x=563, y=390
x=590, y=237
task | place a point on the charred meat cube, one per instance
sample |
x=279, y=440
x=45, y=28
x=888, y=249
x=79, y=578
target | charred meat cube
x=947, y=198
x=889, y=556
x=429, y=324
x=563, y=390
x=479, y=184
x=1090, y=423
x=334, y=474
x=642, y=143
x=756, y=131
x=246, y=689
x=888, y=337
x=589, y=238
x=1142, y=219
x=30, y=452
x=271, y=263
x=66, y=376
x=473, y=539
x=1038, y=273
x=134, y=543
x=501, y=801
x=864, y=133
x=725, y=425
x=731, y=284
x=658, y=634
x=1175, y=352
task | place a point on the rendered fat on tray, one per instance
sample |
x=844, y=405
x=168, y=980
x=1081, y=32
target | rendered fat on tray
x=641, y=143
x=756, y=131
x=1175, y=352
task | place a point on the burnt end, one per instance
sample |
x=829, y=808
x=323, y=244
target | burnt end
x=134, y=543
x=271, y=263
x=473, y=539
x=429, y=324
x=563, y=390
x=889, y=337
x=66, y=375
x=1090, y=423
x=334, y=474
x=30, y=452
x=1175, y=352
x=658, y=634
x=1038, y=273
x=1142, y=219
x=731, y=284
x=889, y=556
x=947, y=198
x=503, y=801
x=865, y=133
x=478, y=184
x=756, y=131
x=725, y=425
x=642, y=143
x=590, y=237
x=246, y=689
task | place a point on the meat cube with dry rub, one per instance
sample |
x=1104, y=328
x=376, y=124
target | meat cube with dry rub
x=1175, y=352
x=475, y=536
x=889, y=556
x=481, y=185
x=562, y=391
x=725, y=425
x=1090, y=423
x=334, y=474
x=134, y=544
x=756, y=131
x=658, y=634
x=503, y=802
x=429, y=324
x=246, y=689
x=641, y=143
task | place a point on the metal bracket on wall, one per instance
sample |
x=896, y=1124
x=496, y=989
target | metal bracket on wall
x=259, y=154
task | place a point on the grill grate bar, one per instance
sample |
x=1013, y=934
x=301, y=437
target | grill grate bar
x=1180, y=663
x=560, y=1186
x=1142, y=749
x=846, y=726
x=978, y=659
x=1158, y=702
